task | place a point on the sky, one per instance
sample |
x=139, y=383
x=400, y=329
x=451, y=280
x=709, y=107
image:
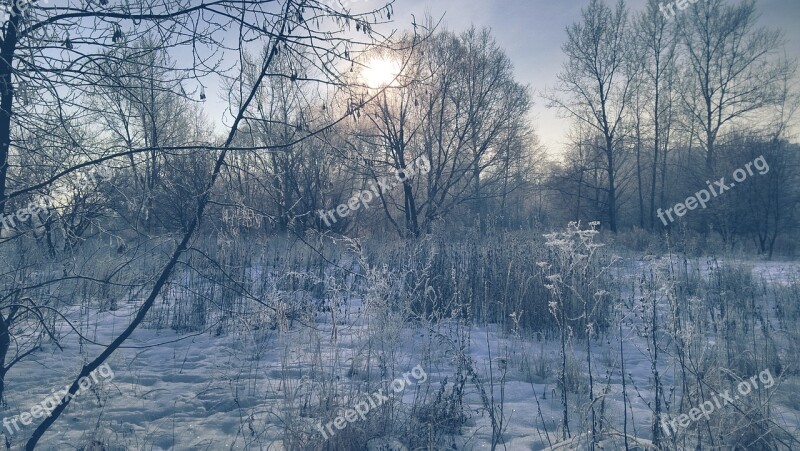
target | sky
x=532, y=33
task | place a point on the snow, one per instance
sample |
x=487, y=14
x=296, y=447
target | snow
x=233, y=391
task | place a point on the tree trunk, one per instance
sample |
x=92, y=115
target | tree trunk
x=654, y=172
x=612, y=189
x=6, y=100
x=5, y=344
x=639, y=172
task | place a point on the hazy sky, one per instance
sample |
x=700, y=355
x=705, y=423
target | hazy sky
x=532, y=33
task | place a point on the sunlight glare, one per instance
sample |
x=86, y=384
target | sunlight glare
x=381, y=72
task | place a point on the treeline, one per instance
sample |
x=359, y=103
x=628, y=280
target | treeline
x=661, y=105
x=450, y=100
x=658, y=105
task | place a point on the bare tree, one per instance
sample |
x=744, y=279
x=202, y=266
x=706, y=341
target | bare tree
x=657, y=35
x=595, y=85
x=474, y=120
x=456, y=104
x=729, y=64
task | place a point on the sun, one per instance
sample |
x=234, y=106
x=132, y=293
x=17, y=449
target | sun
x=380, y=72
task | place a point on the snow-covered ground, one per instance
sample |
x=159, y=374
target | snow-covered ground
x=249, y=388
